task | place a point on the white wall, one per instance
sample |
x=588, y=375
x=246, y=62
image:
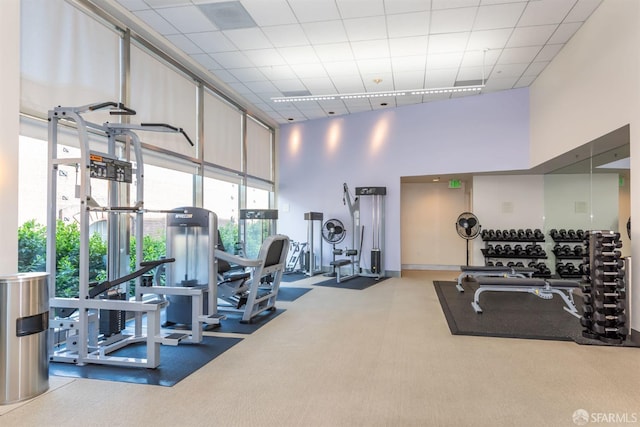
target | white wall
x=9, y=132
x=477, y=133
x=505, y=202
x=589, y=89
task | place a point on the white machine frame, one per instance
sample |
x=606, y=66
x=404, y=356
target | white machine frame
x=84, y=344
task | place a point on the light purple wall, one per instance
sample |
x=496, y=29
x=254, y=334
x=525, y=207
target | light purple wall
x=488, y=132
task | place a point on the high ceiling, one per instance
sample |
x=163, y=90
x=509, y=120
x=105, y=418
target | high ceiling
x=263, y=49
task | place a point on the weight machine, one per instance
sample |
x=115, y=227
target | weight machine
x=97, y=331
x=313, y=266
x=250, y=219
x=357, y=234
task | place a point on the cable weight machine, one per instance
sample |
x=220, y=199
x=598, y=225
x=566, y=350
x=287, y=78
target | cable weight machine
x=76, y=338
x=357, y=234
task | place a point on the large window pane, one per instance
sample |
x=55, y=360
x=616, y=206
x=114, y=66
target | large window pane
x=68, y=58
x=259, y=150
x=221, y=197
x=222, y=133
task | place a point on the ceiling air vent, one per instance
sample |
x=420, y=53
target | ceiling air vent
x=228, y=15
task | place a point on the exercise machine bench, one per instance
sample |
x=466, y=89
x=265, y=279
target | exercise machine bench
x=341, y=263
x=492, y=271
x=542, y=288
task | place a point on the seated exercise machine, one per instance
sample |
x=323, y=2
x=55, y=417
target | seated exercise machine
x=492, y=271
x=542, y=288
x=357, y=235
x=252, y=286
x=91, y=327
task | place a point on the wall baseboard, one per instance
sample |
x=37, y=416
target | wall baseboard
x=430, y=267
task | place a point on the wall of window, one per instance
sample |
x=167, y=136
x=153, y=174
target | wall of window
x=71, y=57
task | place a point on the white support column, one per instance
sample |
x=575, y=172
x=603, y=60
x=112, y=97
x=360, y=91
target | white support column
x=9, y=132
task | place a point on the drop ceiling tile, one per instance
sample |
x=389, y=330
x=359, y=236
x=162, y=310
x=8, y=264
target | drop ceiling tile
x=408, y=24
x=289, y=85
x=358, y=8
x=406, y=6
x=261, y=87
x=319, y=86
x=206, y=61
x=341, y=68
x=134, y=5
x=444, y=60
x=184, y=44
x=508, y=70
x=408, y=100
x=374, y=66
x=525, y=81
x=564, y=32
x=157, y=22
x=440, y=78
x=582, y=10
x=469, y=73
x=444, y=43
x=248, y=38
x=531, y=36
x=265, y=57
x=452, y=4
x=348, y=84
x=386, y=83
x=187, y=19
x=304, y=71
x=334, y=52
x=314, y=10
x=325, y=32
x=212, y=41
x=359, y=108
x=232, y=59
x=489, y=39
x=408, y=80
x=408, y=63
x=548, y=52
x=485, y=2
x=286, y=35
x=408, y=46
x=225, y=76
x=299, y=55
x=370, y=49
x=371, y=28
x=278, y=72
x=480, y=58
x=166, y=3
x=498, y=16
x=495, y=84
x=518, y=55
x=247, y=74
x=535, y=68
x=452, y=20
x=545, y=12
x=278, y=12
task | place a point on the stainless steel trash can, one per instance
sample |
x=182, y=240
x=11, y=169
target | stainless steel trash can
x=24, y=328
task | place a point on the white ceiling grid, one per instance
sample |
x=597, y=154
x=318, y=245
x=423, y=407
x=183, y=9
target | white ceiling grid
x=318, y=47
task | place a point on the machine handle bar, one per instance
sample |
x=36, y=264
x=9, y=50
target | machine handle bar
x=124, y=110
x=146, y=266
x=173, y=128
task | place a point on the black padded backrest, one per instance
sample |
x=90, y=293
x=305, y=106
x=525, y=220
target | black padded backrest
x=223, y=266
x=274, y=253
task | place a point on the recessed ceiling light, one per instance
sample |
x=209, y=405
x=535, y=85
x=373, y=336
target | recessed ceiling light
x=377, y=81
x=331, y=112
x=384, y=104
x=290, y=119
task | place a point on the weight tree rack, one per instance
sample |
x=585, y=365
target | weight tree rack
x=604, y=289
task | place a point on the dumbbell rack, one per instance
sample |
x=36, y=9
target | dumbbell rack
x=526, y=246
x=568, y=247
x=604, y=289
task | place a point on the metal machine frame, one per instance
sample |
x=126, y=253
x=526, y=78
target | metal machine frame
x=314, y=235
x=357, y=233
x=84, y=344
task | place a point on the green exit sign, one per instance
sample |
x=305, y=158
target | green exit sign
x=455, y=183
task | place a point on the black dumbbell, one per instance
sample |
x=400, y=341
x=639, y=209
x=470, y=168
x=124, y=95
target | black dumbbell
x=580, y=234
x=492, y=234
x=498, y=235
x=508, y=250
x=614, y=305
x=499, y=264
x=619, y=318
x=553, y=233
x=577, y=250
x=571, y=234
x=498, y=250
x=489, y=263
x=521, y=234
x=586, y=322
x=617, y=330
x=562, y=233
x=538, y=234
x=519, y=264
x=511, y=264
x=484, y=234
x=529, y=234
x=490, y=250
x=615, y=263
